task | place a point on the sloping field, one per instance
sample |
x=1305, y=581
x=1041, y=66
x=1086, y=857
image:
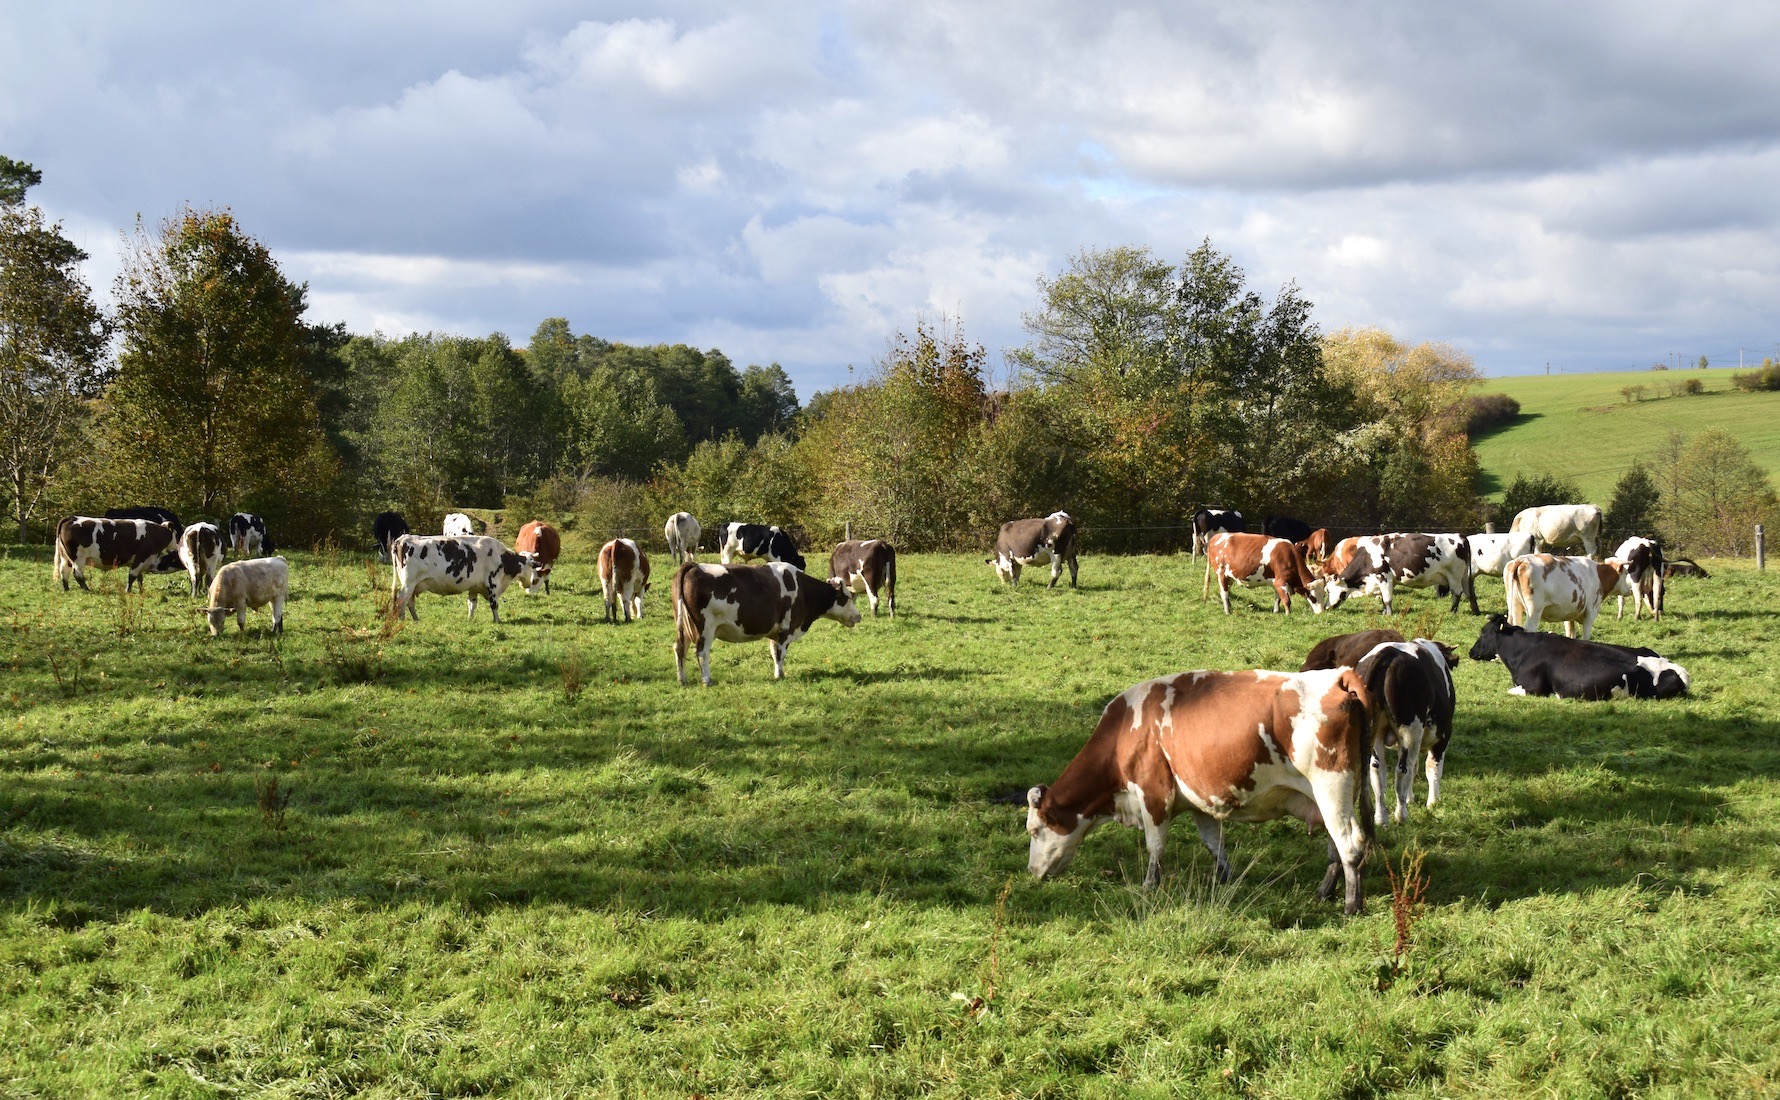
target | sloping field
x=518, y=860
x=1581, y=428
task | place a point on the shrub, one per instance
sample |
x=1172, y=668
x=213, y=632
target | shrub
x=1488, y=411
x=1764, y=378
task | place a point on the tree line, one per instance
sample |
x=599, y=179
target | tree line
x=1146, y=389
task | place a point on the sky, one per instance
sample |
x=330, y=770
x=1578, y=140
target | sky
x=1585, y=186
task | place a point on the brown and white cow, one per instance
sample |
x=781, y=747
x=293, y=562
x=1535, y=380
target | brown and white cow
x=1384, y=563
x=539, y=540
x=1316, y=547
x=1023, y=542
x=1552, y=589
x=474, y=565
x=1644, y=574
x=201, y=552
x=1338, y=556
x=745, y=603
x=137, y=545
x=1220, y=746
x=1234, y=558
x=1559, y=526
x=624, y=577
x=865, y=566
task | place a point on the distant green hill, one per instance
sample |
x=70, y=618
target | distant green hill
x=1581, y=428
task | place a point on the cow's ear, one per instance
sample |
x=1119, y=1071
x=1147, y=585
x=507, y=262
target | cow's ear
x=1450, y=653
x=1036, y=795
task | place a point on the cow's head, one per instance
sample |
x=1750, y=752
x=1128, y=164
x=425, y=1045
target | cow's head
x=1489, y=639
x=846, y=609
x=218, y=617
x=540, y=572
x=1053, y=841
x=521, y=567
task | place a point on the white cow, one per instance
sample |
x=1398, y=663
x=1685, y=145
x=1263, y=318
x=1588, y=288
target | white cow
x=456, y=523
x=475, y=565
x=248, y=583
x=1492, y=553
x=682, y=537
x=201, y=551
x=1552, y=589
x=1562, y=525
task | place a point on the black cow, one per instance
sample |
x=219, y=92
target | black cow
x=865, y=566
x=1023, y=542
x=1550, y=664
x=756, y=541
x=247, y=535
x=135, y=544
x=386, y=529
x=1412, y=693
x=1209, y=521
x=1285, y=527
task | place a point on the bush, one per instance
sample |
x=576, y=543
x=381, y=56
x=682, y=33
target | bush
x=1488, y=411
x=1763, y=378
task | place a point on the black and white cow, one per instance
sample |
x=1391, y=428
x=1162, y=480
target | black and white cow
x=1570, y=668
x=1023, y=542
x=1383, y=563
x=1209, y=521
x=138, y=545
x=1644, y=573
x=475, y=565
x=386, y=529
x=865, y=566
x=1285, y=527
x=458, y=523
x=170, y=561
x=247, y=536
x=201, y=552
x=745, y=603
x=1413, y=699
x=756, y=542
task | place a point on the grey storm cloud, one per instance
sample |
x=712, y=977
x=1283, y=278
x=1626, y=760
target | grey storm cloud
x=1592, y=184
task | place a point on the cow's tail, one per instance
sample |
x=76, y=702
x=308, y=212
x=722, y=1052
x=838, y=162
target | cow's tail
x=687, y=627
x=890, y=577
x=1358, y=707
x=64, y=560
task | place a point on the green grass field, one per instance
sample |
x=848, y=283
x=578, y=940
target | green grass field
x=1579, y=427
x=520, y=861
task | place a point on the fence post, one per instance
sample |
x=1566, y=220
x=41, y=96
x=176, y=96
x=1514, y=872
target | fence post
x=849, y=530
x=1489, y=528
x=1761, y=547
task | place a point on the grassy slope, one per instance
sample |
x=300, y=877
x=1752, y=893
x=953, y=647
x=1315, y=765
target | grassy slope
x=1580, y=428
x=792, y=888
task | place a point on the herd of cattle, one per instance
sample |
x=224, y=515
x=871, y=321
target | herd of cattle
x=1221, y=746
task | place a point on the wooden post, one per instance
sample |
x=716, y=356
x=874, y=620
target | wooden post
x=849, y=530
x=1489, y=528
x=1761, y=547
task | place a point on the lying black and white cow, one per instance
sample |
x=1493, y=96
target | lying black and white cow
x=137, y=545
x=1383, y=563
x=475, y=565
x=745, y=603
x=247, y=536
x=1644, y=573
x=386, y=529
x=1549, y=664
x=756, y=542
x=866, y=567
x=1209, y=521
x=1024, y=542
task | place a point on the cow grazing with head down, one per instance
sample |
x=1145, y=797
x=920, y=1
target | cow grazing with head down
x=137, y=545
x=1237, y=558
x=1209, y=521
x=170, y=561
x=757, y=542
x=1560, y=526
x=1285, y=527
x=540, y=542
x=1023, y=542
x=865, y=567
x=247, y=536
x=745, y=603
x=1551, y=589
x=251, y=583
x=1644, y=574
x=458, y=524
x=201, y=552
x=474, y=565
x=386, y=529
x=1545, y=664
x=1316, y=545
x=1384, y=563
x=682, y=533
x=1220, y=746
x=624, y=577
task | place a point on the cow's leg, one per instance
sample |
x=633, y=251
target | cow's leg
x=704, y=655
x=1376, y=776
x=1410, y=751
x=1436, y=766
x=1056, y=570
x=1013, y=573
x=278, y=614
x=1072, y=568
x=241, y=616
x=1224, y=594
x=779, y=646
x=625, y=600
x=1155, y=837
x=1211, y=832
x=1588, y=622
x=1386, y=590
x=472, y=613
x=494, y=607
x=1205, y=589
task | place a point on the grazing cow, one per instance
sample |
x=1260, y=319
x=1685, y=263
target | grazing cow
x=134, y=544
x=1347, y=649
x=1551, y=589
x=1383, y=563
x=1545, y=664
x=249, y=583
x=865, y=566
x=539, y=540
x=624, y=577
x=1410, y=684
x=1285, y=527
x=1236, y=558
x=201, y=552
x=1644, y=573
x=1490, y=554
x=1221, y=746
x=745, y=603
x=168, y=562
x=1562, y=525
x=1209, y=521
x=1023, y=542
x=457, y=523
x=475, y=565
x=682, y=537
x=1335, y=561
x=756, y=541
x=247, y=536
x=1684, y=567
x=386, y=529
x=1316, y=546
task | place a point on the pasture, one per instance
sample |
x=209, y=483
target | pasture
x=455, y=859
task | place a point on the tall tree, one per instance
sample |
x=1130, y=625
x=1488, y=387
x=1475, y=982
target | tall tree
x=52, y=345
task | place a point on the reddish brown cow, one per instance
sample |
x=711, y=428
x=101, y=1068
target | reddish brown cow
x=1347, y=649
x=1335, y=563
x=1235, y=558
x=1316, y=547
x=1221, y=746
x=541, y=541
x=624, y=577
